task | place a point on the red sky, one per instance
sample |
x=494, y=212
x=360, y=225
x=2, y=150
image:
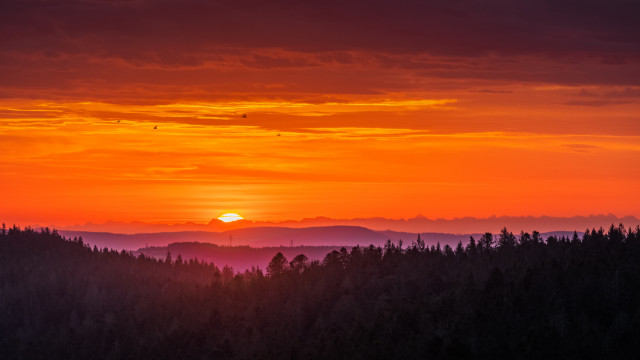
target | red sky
x=393, y=109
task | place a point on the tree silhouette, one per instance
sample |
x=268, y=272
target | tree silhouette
x=277, y=265
x=299, y=263
x=486, y=241
x=506, y=238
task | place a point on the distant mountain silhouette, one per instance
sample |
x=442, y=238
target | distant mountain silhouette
x=467, y=225
x=310, y=236
x=332, y=236
x=255, y=237
x=417, y=224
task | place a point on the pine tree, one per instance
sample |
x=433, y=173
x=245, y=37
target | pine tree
x=277, y=265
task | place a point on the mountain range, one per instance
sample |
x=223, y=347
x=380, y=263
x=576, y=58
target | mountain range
x=418, y=224
x=258, y=237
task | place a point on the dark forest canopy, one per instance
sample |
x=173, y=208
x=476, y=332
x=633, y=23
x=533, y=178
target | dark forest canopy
x=505, y=296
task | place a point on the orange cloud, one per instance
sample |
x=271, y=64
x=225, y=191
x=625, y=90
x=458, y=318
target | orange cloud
x=85, y=165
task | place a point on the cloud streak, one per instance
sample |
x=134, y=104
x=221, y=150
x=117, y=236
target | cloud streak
x=195, y=49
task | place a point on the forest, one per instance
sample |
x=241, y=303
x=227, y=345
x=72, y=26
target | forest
x=501, y=296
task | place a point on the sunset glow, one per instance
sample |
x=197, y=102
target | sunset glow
x=343, y=119
x=247, y=179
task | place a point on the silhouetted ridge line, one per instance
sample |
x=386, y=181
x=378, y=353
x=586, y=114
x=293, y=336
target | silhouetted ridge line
x=421, y=224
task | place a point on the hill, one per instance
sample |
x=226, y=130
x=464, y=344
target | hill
x=255, y=237
x=498, y=298
x=331, y=236
x=418, y=224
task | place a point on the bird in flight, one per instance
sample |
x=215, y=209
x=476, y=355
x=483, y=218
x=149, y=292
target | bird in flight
x=155, y=127
x=118, y=121
x=244, y=116
x=278, y=134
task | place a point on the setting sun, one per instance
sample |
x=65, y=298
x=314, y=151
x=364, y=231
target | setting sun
x=229, y=217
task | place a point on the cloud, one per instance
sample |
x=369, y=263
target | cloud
x=625, y=93
x=440, y=27
x=85, y=47
x=488, y=91
x=596, y=103
x=581, y=147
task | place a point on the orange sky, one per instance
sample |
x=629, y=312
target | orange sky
x=364, y=129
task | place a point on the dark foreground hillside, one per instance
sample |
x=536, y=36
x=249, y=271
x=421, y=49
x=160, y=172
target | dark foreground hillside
x=511, y=297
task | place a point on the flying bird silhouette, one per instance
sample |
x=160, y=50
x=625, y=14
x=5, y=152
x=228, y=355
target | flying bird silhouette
x=244, y=116
x=118, y=121
x=155, y=127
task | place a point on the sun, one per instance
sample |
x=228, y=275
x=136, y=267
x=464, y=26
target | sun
x=229, y=217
